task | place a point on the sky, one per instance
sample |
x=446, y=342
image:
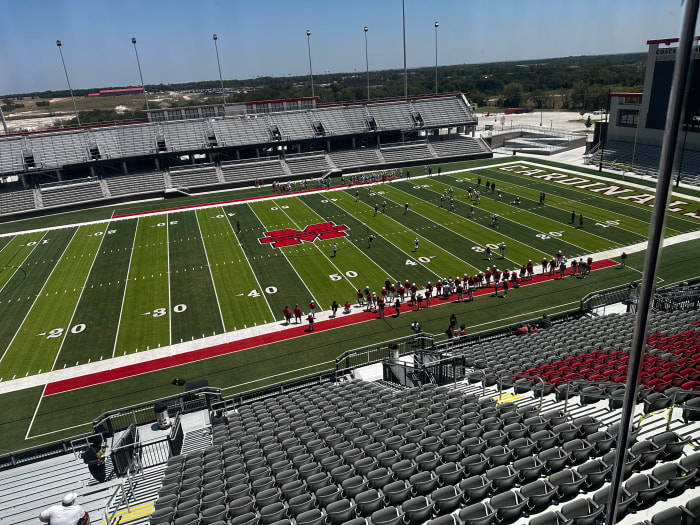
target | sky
x=175, y=44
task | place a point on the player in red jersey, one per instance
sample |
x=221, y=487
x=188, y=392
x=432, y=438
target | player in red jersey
x=287, y=314
x=360, y=298
x=297, y=314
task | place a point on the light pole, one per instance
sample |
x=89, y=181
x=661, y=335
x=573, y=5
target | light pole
x=4, y=124
x=223, y=93
x=145, y=98
x=436, y=62
x=367, y=61
x=311, y=73
x=405, y=73
x=58, y=43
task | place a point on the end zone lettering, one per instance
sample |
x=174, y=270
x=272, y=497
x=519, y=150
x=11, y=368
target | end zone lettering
x=605, y=188
x=291, y=237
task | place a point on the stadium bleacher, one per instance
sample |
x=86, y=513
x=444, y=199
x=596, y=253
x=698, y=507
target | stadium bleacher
x=374, y=452
x=442, y=111
x=406, y=153
x=307, y=164
x=644, y=158
x=295, y=125
x=135, y=183
x=396, y=115
x=262, y=169
x=459, y=146
x=194, y=176
x=355, y=157
x=16, y=201
x=71, y=192
x=344, y=120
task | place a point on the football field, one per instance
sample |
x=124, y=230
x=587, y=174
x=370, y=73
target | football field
x=89, y=292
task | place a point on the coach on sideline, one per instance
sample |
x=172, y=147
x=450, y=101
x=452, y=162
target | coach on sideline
x=68, y=513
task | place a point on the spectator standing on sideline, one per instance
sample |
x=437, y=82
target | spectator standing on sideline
x=68, y=513
x=297, y=314
x=94, y=458
x=287, y=314
x=311, y=323
x=334, y=308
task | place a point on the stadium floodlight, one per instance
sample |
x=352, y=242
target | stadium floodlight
x=405, y=72
x=436, y=62
x=223, y=93
x=133, y=41
x=311, y=73
x=58, y=44
x=367, y=62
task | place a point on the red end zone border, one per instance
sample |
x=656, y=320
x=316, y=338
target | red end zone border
x=162, y=363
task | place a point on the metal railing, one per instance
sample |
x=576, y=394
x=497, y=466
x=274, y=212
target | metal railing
x=143, y=413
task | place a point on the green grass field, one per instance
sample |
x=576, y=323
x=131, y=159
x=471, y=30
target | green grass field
x=88, y=292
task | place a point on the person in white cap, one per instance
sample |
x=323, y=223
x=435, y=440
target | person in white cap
x=68, y=513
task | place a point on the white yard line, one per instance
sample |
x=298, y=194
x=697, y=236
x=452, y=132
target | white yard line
x=36, y=411
x=567, y=225
x=467, y=223
x=126, y=284
x=191, y=346
x=82, y=290
x=320, y=309
x=170, y=293
x=356, y=247
x=318, y=248
x=408, y=256
x=262, y=290
x=23, y=261
x=58, y=261
x=218, y=304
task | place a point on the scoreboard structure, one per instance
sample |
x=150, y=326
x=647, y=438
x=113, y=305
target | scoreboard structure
x=641, y=117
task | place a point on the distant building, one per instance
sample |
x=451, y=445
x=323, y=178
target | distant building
x=641, y=117
x=117, y=92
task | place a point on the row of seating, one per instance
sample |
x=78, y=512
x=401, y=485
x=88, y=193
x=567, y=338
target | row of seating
x=410, y=153
x=57, y=149
x=342, y=441
x=195, y=176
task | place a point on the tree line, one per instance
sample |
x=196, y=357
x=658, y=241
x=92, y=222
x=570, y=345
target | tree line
x=573, y=83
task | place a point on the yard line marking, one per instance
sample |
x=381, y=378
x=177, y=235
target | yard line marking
x=387, y=239
x=36, y=411
x=87, y=278
x=318, y=249
x=20, y=264
x=204, y=247
x=302, y=281
x=588, y=197
x=482, y=227
x=356, y=247
x=607, y=180
x=262, y=290
x=438, y=225
x=170, y=294
x=38, y=295
x=126, y=284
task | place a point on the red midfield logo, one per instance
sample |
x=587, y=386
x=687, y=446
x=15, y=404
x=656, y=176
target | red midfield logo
x=289, y=237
